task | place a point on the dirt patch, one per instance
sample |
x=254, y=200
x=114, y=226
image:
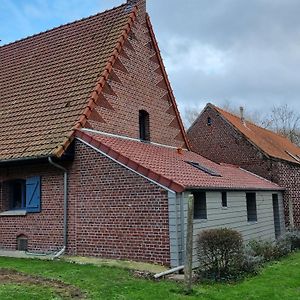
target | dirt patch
x=142, y=274
x=66, y=291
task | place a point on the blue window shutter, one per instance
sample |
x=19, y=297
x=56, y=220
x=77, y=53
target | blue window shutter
x=33, y=194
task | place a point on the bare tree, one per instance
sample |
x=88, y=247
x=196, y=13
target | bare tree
x=284, y=121
x=190, y=114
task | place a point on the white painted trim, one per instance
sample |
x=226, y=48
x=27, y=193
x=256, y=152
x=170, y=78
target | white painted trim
x=127, y=138
x=13, y=213
x=116, y=161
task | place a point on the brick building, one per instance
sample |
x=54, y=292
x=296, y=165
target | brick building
x=224, y=137
x=94, y=159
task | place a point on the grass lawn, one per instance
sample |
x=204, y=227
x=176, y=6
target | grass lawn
x=41, y=280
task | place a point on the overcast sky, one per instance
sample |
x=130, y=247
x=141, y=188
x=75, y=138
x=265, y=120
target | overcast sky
x=244, y=52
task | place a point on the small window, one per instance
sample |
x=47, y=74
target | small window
x=144, y=125
x=251, y=207
x=276, y=214
x=224, y=199
x=25, y=194
x=209, y=121
x=200, y=210
x=17, y=194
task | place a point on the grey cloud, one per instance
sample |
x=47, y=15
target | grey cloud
x=256, y=44
x=246, y=52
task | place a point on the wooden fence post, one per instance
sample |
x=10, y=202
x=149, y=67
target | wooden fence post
x=188, y=263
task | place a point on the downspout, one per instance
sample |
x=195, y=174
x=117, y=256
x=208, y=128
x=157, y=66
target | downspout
x=65, y=233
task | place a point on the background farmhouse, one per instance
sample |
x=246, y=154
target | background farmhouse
x=224, y=137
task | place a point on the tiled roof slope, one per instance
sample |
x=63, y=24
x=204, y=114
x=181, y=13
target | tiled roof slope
x=47, y=79
x=270, y=143
x=168, y=167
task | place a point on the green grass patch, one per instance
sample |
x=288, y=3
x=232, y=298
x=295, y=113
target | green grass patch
x=26, y=292
x=279, y=280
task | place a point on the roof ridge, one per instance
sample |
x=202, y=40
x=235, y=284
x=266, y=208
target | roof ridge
x=61, y=26
x=123, y=137
x=94, y=96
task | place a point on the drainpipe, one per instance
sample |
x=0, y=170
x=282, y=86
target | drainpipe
x=63, y=249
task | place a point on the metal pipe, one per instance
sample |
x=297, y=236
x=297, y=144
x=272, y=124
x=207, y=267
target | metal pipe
x=168, y=272
x=65, y=232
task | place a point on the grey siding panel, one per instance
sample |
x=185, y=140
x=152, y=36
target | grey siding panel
x=235, y=216
x=173, y=229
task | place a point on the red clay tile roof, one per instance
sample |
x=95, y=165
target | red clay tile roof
x=167, y=167
x=267, y=141
x=49, y=81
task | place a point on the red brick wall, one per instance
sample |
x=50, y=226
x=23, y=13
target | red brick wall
x=287, y=175
x=220, y=142
x=137, y=84
x=118, y=214
x=113, y=212
x=44, y=229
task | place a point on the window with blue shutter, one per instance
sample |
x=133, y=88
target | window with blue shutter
x=33, y=194
x=23, y=194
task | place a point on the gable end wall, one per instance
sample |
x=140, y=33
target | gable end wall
x=116, y=213
x=220, y=142
x=137, y=83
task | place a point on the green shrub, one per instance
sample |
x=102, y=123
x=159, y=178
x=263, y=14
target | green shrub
x=291, y=239
x=251, y=264
x=220, y=254
x=267, y=250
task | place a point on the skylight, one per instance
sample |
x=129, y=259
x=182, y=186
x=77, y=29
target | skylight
x=203, y=168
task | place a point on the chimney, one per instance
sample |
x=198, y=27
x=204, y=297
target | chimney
x=141, y=4
x=242, y=114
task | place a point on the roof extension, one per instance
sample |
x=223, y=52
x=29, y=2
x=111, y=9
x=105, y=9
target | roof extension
x=170, y=167
x=272, y=144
